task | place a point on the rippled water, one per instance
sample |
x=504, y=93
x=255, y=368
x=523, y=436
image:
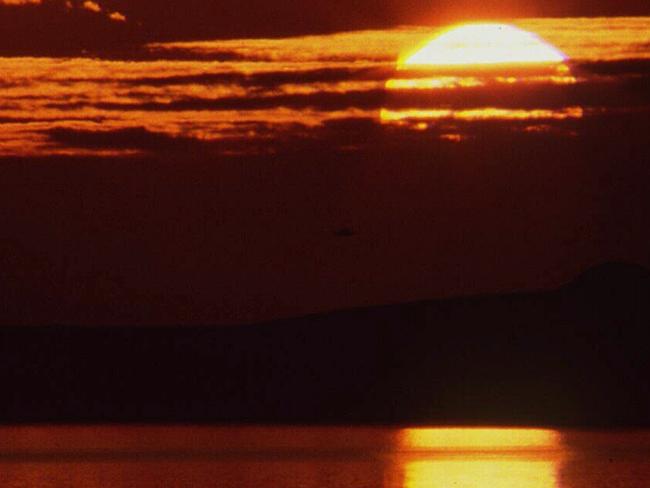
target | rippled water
x=260, y=96
x=305, y=457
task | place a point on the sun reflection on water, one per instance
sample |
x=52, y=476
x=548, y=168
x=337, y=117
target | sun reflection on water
x=481, y=473
x=478, y=438
x=480, y=458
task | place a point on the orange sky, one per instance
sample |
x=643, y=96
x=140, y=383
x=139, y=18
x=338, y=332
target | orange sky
x=68, y=25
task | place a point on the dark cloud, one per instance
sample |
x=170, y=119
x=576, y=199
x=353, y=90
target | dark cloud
x=621, y=92
x=319, y=101
x=132, y=138
x=271, y=79
x=365, y=137
x=619, y=67
x=142, y=140
x=602, y=93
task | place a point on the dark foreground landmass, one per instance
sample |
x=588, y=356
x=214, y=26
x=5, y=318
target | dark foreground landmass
x=574, y=356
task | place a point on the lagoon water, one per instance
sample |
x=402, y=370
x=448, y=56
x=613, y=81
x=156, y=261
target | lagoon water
x=315, y=457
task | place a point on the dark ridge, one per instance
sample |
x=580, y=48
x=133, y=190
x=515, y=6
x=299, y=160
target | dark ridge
x=609, y=277
x=569, y=357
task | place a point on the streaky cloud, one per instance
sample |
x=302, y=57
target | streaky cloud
x=271, y=79
x=320, y=101
x=598, y=93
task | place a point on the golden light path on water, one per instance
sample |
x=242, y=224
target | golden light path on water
x=478, y=438
x=311, y=457
x=481, y=458
x=481, y=473
x=176, y=456
x=244, y=95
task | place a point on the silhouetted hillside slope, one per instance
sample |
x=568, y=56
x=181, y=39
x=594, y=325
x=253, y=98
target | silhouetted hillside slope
x=574, y=356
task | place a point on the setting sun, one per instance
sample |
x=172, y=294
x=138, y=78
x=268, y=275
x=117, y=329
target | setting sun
x=483, y=61
x=483, y=44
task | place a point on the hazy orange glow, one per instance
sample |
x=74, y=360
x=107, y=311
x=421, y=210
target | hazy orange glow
x=483, y=44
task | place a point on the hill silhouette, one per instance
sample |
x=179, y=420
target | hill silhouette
x=574, y=356
x=613, y=285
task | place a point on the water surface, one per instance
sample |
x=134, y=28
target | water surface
x=307, y=457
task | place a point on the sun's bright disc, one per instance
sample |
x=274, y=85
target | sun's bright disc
x=484, y=45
